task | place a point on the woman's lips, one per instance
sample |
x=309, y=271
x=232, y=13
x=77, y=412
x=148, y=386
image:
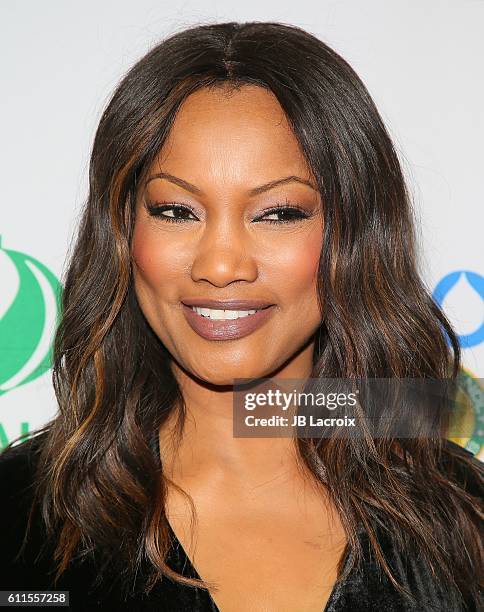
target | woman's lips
x=227, y=329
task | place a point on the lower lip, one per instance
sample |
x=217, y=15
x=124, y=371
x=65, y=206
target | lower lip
x=229, y=329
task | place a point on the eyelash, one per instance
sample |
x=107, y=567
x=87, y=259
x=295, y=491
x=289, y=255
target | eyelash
x=156, y=211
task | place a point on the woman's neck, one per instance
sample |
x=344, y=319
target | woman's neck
x=207, y=443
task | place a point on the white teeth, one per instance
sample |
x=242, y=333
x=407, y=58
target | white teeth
x=220, y=315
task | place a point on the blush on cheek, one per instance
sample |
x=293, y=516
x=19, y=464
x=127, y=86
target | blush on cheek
x=141, y=249
x=301, y=283
x=313, y=253
x=305, y=268
x=300, y=263
x=147, y=263
x=160, y=260
x=148, y=250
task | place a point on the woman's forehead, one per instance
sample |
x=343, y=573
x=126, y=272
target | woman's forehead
x=242, y=137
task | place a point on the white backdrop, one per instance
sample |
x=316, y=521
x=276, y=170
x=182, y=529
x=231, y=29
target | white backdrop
x=421, y=60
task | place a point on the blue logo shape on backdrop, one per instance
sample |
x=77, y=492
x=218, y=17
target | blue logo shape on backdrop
x=476, y=281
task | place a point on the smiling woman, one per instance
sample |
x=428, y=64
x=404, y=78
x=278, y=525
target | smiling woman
x=247, y=219
x=243, y=222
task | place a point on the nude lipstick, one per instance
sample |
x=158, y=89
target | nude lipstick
x=226, y=319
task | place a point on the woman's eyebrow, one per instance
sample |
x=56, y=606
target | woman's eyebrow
x=252, y=192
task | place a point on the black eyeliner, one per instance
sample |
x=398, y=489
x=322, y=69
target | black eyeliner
x=157, y=209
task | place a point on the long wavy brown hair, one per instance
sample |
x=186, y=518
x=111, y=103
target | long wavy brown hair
x=100, y=482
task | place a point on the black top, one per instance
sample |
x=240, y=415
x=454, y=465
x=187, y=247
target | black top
x=366, y=589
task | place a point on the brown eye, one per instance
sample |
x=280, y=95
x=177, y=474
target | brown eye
x=178, y=213
x=170, y=212
x=286, y=214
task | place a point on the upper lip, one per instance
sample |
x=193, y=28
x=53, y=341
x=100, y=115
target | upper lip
x=227, y=304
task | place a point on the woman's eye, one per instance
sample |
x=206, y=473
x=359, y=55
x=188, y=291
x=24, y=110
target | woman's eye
x=173, y=213
x=284, y=214
x=176, y=213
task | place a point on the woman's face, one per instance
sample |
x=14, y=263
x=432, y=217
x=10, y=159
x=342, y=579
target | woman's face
x=224, y=241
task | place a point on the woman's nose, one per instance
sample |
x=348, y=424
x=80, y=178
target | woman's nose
x=224, y=255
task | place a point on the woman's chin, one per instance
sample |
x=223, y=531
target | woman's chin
x=229, y=378
x=226, y=375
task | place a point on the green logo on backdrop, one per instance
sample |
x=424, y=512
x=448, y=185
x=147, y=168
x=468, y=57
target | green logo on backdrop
x=25, y=337
x=24, y=433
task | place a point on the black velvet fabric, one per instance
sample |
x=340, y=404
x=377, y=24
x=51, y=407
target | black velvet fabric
x=365, y=590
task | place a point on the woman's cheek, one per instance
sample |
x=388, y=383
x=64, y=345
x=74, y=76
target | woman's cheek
x=297, y=262
x=144, y=255
x=159, y=258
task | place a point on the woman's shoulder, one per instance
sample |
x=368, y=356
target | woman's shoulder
x=19, y=567
x=17, y=478
x=409, y=567
x=17, y=467
x=27, y=555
